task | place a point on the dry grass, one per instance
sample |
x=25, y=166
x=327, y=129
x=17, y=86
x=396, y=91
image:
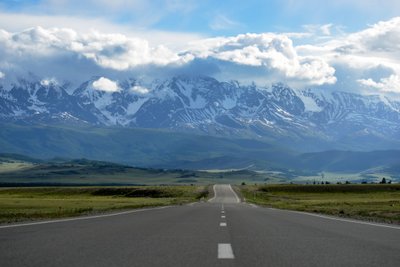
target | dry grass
x=369, y=202
x=22, y=204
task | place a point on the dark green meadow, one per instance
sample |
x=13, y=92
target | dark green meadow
x=374, y=202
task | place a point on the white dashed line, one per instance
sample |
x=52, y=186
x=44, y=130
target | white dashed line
x=225, y=251
x=222, y=216
x=223, y=224
x=222, y=211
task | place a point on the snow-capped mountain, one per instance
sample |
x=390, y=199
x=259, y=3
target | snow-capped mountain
x=306, y=118
x=41, y=101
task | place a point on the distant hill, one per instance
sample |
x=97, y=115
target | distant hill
x=153, y=148
x=7, y=157
x=348, y=161
x=139, y=147
x=80, y=172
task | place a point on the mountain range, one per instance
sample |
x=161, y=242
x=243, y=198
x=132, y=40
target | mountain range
x=202, y=123
x=304, y=120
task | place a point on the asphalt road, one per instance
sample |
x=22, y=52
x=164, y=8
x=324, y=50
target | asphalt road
x=221, y=232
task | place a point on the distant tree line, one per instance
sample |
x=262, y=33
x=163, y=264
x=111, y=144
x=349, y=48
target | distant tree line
x=383, y=181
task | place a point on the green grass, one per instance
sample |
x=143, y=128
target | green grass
x=370, y=202
x=89, y=172
x=24, y=204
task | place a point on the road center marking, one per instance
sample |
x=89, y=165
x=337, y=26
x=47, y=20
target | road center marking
x=222, y=211
x=223, y=216
x=222, y=224
x=225, y=251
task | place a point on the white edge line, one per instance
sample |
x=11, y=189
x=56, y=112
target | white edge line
x=82, y=218
x=234, y=193
x=339, y=219
x=215, y=194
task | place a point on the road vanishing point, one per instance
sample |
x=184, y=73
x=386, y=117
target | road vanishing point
x=221, y=232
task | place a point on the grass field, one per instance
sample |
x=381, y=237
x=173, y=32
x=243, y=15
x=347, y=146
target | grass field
x=24, y=204
x=334, y=177
x=87, y=172
x=376, y=202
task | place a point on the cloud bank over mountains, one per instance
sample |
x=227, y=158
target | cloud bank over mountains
x=367, y=60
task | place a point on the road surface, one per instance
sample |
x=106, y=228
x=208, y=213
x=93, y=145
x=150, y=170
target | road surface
x=221, y=232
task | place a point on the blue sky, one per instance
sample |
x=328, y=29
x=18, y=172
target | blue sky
x=347, y=44
x=212, y=18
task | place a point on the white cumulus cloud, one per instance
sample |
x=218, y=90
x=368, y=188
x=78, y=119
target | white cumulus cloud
x=267, y=53
x=107, y=85
x=2, y=75
x=370, y=58
x=366, y=59
x=115, y=51
x=270, y=52
x=140, y=90
x=388, y=84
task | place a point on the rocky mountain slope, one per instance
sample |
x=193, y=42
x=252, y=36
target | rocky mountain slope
x=307, y=120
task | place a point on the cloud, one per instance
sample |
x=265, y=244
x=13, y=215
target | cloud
x=114, y=51
x=2, y=75
x=222, y=22
x=141, y=13
x=269, y=52
x=16, y=22
x=140, y=90
x=388, y=84
x=104, y=84
x=381, y=37
x=367, y=60
x=317, y=29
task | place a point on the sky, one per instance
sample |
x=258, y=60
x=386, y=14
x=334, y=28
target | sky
x=351, y=45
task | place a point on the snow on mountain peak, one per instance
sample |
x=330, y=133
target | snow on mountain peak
x=205, y=105
x=48, y=82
